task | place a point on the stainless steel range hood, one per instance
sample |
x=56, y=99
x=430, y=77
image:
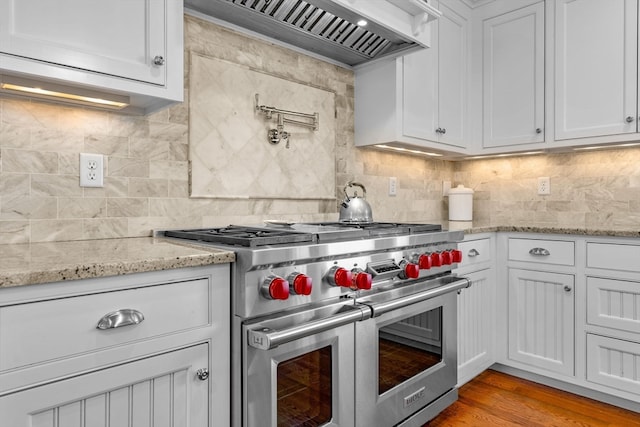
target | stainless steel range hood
x=330, y=27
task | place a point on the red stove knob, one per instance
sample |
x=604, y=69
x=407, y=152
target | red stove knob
x=361, y=280
x=410, y=270
x=339, y=276
x=275, y=287
x=436, y=259
x=300, y=284
x=447, y=258
x=456, y=255
x=424, y=262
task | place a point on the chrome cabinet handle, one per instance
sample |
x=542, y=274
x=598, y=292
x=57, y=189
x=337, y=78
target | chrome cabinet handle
x=202, y=374
x=120, y=318
x=473, y=253
x=538, y=130
x=629, y=119
x=567, y=288
x=539, y=252
x=158, y=60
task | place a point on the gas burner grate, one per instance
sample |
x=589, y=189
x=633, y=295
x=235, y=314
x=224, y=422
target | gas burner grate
x=243, y=236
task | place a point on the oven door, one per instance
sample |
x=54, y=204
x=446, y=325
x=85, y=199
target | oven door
x=406, y=354
x=298, y=368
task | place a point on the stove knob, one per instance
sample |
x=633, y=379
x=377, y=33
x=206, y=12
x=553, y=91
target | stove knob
x=275, y=287
x=299, y=284
x=456, y=255
x=424, y=262
x=339, y=276
x=436, y=259
x=447, y=258
x=361, y=280
x=409, y=270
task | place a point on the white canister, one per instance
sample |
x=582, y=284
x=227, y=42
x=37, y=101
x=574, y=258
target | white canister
x=460, y=204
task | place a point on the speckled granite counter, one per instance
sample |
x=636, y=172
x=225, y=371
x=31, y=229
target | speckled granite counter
x=471, y=229
x=24, y=264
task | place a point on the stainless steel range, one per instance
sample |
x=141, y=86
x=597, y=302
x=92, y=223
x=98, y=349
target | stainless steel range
x=341, y=324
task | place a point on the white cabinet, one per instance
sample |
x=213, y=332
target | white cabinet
x=435, y=83
x=541, y=320
x=146, y=368
x=419, y=100
x=476, y=307
x=123, y=46
x=163, y=390
x=513, y=77
x=596, y=63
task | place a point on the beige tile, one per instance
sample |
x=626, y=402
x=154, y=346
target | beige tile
x=55, y=185
x=14, y=185
x=56, y=140
x=143, y=187
x=15, y=232
x=81, y=207
x=26, y=207
x=110, y=145
x=22, y=161
x=12, y=136
x=127, y=207
x=129, y=167
x=107, y=228
x=56, y=230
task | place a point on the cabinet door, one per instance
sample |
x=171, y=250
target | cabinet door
x=435, y=84
x=114, y=37
x=476, y=309
x=595, y=62
x=159, y=391
x=541, y=320
x=513, y=77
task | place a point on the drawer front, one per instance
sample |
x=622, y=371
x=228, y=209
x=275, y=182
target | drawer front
x=613, y=363
x=613, y=304
x=542, y=251
x=475, y=252
x=611, y=256
x=42, y=331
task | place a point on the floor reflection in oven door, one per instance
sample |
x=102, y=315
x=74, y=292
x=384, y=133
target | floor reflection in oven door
x=405, y=359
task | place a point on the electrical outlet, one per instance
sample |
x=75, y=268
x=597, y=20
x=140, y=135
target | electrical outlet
x=91, y=170
x=393, y=186
x=544, y=185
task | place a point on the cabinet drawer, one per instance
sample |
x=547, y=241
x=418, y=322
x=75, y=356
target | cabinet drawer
x=613, y=363
x=542, y=251
x=46, y=330
x=613, y=304
x=475, y=252
x=611, y=256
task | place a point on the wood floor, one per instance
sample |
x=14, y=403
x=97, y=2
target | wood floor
x=496, y=399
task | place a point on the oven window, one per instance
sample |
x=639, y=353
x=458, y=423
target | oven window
x=409, y=347
x=304, y=390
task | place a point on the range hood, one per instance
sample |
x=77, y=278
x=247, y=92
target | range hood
x=348, y=31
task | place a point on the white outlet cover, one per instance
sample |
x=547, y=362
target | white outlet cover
x=90, y=175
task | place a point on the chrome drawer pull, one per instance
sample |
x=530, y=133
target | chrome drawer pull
x=473, y=253
x=120, y=318
x=539, y=252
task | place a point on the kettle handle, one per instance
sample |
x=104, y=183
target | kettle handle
x=355, y=184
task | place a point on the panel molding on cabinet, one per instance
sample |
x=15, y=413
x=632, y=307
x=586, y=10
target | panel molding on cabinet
x=613, y=363
x=541, y=320
x=513, y=77
x=613, y=303
x=596, y=63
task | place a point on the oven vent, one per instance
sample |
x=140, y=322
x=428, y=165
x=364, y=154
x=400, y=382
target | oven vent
x=327, y=27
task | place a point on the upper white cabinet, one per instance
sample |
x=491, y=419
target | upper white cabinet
x=596, y=63
x=132, y=47
x=419, y=100
x=513, y=77
x=435, y=84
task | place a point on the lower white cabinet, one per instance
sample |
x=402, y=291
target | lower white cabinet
x=613, y=363
x=163, y=390
x=139, y=350
x=541, y=320
x=476, y=308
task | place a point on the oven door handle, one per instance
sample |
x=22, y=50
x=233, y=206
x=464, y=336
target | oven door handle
x=265, y=338
x=395, y=304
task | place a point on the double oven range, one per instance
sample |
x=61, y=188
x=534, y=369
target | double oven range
x=341, y=324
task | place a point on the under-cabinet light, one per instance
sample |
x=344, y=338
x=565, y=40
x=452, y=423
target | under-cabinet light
x=495, y=156
x=408, y=151
x=603, y=147
x=62, y=93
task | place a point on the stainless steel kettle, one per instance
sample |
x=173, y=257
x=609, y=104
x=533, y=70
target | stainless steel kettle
x=355, y=209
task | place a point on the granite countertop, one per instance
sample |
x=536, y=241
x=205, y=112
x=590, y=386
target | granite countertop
x=36, y=263
x=468, y=228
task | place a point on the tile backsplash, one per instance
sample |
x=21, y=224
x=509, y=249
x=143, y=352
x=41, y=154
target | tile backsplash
x=147, y=167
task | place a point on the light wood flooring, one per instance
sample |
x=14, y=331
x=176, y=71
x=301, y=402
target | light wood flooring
x=496, y=399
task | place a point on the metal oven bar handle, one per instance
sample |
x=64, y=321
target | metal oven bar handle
x=386, y=306
x=267, y=338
